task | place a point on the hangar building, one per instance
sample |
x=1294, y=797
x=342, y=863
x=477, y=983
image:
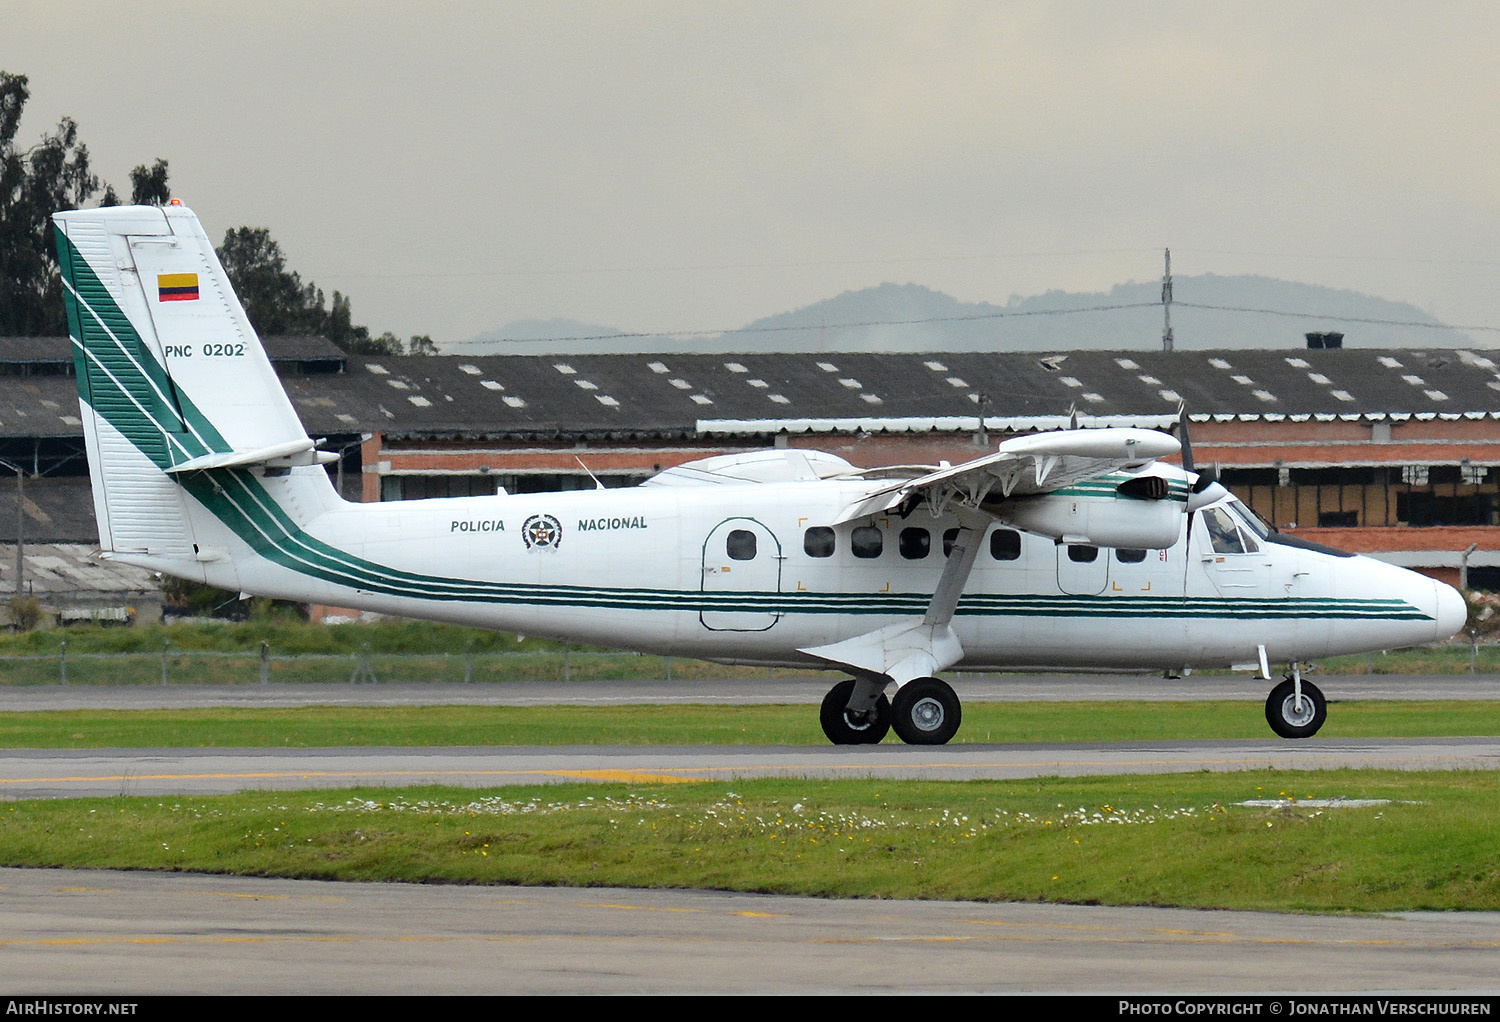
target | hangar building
x=1388, y=452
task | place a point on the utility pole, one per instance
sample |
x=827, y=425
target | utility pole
x=1166, y=305
x=20, y=524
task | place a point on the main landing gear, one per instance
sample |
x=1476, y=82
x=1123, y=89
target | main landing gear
x=1296, y=708
x=926, y=711
x=844, y=726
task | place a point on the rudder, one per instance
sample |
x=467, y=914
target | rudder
x=158, y=338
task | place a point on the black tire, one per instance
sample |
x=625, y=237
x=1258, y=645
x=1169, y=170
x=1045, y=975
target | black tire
x=841, y=729
x=926, y=712
x=1284, y=717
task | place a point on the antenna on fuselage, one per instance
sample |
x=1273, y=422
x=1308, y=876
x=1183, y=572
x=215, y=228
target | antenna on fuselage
x=597, y=484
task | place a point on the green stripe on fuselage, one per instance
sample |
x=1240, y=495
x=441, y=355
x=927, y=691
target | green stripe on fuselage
x=130, y=397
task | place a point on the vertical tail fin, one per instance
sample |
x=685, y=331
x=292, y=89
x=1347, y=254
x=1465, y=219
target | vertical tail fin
x=171, y=376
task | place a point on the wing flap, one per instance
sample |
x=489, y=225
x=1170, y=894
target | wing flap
x=1025, y=466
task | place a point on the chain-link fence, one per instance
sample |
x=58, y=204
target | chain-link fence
x=173, y=666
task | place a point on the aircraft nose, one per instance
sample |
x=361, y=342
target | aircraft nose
x=1452, y=611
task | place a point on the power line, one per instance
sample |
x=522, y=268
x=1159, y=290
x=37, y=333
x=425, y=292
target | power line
x=1336, y=318
x=1001, y=314
x=1008, y=314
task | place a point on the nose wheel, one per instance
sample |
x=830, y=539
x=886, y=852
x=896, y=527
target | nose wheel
x=1294, y=715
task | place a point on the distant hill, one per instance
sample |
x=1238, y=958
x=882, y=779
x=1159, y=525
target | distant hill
x=1250, y=312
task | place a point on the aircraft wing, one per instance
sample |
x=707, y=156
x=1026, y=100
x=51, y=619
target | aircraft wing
x=1024, y=466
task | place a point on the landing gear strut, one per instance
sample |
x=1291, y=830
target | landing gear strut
x=1296, y=708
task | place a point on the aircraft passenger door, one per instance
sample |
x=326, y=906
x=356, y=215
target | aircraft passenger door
x=741, y=577
x=1082, y=570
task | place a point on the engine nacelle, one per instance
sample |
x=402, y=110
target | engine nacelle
x=1144, y=510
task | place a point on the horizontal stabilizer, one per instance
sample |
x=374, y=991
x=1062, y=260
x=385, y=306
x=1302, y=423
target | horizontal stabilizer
x=287, y=453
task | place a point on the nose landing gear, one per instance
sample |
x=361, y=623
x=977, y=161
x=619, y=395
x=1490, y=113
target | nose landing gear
x=1296, y=708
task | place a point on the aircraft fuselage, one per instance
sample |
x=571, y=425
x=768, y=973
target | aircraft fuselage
x=753, y=573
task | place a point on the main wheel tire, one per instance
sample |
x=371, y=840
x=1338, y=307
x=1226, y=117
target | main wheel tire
x=926, y=712
x=1286, y=719
x=844, y=729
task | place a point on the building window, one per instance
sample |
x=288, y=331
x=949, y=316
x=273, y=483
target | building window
x=414, y=487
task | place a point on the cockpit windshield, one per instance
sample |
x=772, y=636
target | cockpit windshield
x=1248, y=518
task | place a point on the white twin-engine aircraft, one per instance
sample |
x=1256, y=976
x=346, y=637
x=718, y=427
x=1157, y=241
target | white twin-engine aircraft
x=1072, y=549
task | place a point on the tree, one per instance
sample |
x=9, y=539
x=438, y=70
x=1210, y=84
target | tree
x=277, y=302
x=34, y=183
x=51, y=175
x=54, y=175
x=148, y=185
x=274, y=297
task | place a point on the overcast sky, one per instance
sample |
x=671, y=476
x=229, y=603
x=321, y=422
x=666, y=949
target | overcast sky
x=668, y=166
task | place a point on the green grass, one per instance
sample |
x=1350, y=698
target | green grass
x=417, y=652
x=1139, y=840
x=321, y=726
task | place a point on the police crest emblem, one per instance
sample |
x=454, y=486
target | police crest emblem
x=541, y=532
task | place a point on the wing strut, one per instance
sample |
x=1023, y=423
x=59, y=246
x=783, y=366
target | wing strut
x=906, y=650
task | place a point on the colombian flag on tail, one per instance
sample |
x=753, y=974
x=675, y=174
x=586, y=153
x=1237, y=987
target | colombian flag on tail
x=177, y=287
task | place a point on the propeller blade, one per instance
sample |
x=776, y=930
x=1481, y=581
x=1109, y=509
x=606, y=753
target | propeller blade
x=1182, y=434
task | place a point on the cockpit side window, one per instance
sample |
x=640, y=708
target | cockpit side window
x=1222, y=531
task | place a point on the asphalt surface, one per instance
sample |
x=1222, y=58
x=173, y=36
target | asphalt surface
x=112, y=933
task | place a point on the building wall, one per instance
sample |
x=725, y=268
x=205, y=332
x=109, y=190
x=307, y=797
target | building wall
x=1417, y=492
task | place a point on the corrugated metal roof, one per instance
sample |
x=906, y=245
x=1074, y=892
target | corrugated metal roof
x=55, y=509
x=663, y=394
x=74, y=571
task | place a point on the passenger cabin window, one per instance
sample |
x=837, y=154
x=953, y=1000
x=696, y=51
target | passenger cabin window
x=740, y=545
x=1005, y=545
x=1129, y=555
x=914, y=543
x=1080, y=554
x=818, y=541
x=950, y=536
x=866, y=541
